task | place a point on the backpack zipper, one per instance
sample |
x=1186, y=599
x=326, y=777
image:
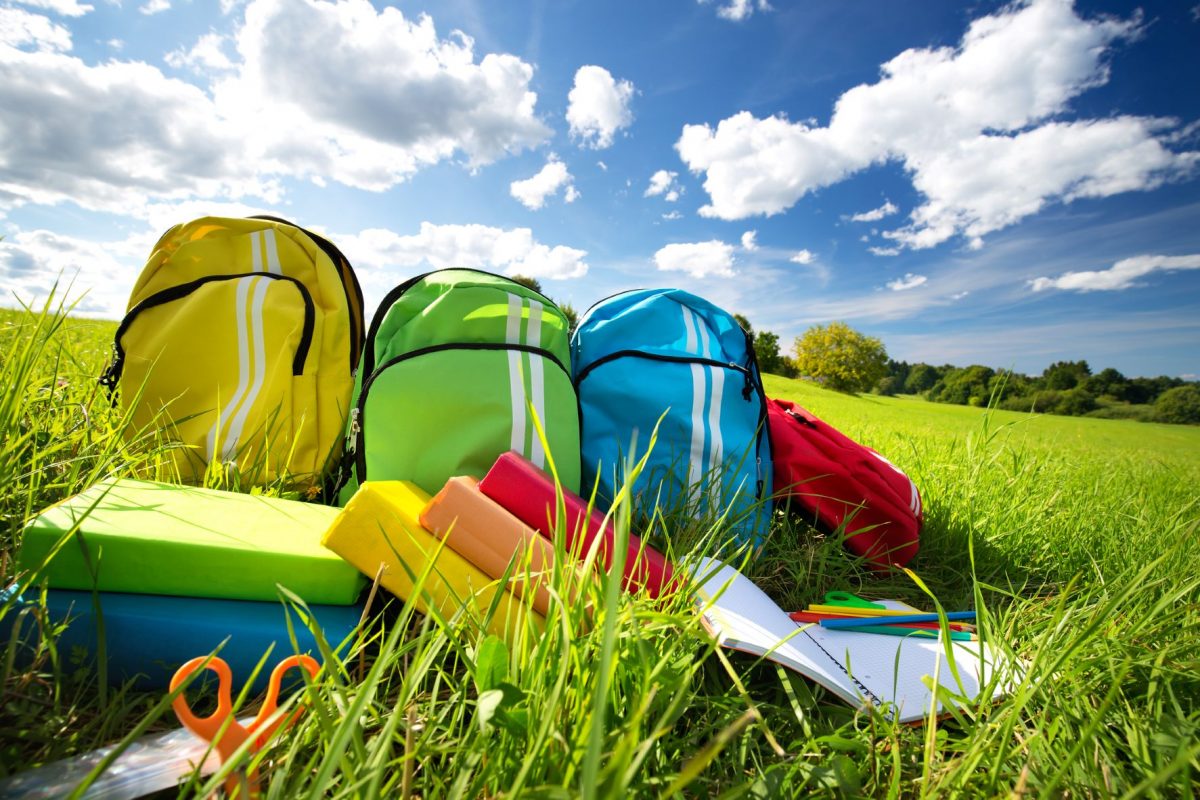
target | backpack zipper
x=358, y=412
x=112, y=374
x=750, y=385
x=395, y=294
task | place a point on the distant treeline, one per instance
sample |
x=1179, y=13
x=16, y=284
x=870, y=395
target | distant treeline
x=1065, y=387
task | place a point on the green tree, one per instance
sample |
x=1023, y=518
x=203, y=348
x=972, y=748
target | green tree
x=1180, y=405
x=921, y=378
x=1107, y=382
x=967, y=386
x=841, y=357
x=888, y=386
x=1066, y=374
x=766, y=350
x=527, y=282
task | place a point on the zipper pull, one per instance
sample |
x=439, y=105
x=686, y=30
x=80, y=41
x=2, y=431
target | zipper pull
x=355, y=429
x=748, y=387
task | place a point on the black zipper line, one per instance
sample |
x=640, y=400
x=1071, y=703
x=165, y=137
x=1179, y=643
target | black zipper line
x=712, y=362
x=391, y=297
x=113, y=373
x=357, y=322
x=360, y=408
x=753, y=382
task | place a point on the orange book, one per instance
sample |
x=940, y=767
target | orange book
x=482, y=532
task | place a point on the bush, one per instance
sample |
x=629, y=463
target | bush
x=1180, y=406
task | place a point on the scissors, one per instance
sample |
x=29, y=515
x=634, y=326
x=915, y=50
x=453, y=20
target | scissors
x=221, y=728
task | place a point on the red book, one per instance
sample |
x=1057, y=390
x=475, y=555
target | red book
x=528, y=494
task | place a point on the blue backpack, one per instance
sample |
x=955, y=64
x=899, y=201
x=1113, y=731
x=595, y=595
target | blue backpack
x=640, y=355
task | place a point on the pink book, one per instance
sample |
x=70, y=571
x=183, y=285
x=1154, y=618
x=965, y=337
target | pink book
x=528, y=493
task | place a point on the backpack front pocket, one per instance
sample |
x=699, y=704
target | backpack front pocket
x=215, y=359
x=453, y=409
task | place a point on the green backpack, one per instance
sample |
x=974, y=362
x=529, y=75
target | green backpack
x=455, y=365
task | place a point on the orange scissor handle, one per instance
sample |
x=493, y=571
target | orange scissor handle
x=234, y=736
x=210, y=727
x=260, y=728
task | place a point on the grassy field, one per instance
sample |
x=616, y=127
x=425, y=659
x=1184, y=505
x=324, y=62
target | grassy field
x=1076, y=539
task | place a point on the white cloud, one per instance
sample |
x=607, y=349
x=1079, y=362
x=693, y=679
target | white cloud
x=533, y=192
x=19, y=28
x=738, y=10
x=672, y=215
x=116, y=44
x=886, y=210
x=803, y=257
x=909, y=281
x=207, y=54
x=959, y=295
x=698, y=259
x=63, y=8
x=750, y=241
x=155, y=6
x=511, y=251
x=598, y=106
x=1121, y=275
x=385, y=98
x=884, y=251
x=98, y=274
x=663, y=183
x=976, y=127
x=603, y=167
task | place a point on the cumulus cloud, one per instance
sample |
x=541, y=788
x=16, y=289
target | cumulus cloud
x=750, y=241
x=20, y=28
x=206, y=55
x=672, y=215
x=533, y=192
x=698, y=259
x=803, y=257
x=63, y=8
x=663, y=183
x=155, y=7
x=738, y=10
x=977, y=127
x=598, y=106
x=95, y=274
x=510, y=251
x=884, y=251
x=385, y=98
x=874, y=215
x=909, y=281
x=1121, y=275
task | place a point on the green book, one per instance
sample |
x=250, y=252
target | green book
x=157, y=538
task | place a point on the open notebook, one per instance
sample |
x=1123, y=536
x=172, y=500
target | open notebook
x=892, y=673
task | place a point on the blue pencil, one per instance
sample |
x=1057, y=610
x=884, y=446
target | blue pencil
x=858, y=622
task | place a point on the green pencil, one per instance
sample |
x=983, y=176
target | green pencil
x=920, y=633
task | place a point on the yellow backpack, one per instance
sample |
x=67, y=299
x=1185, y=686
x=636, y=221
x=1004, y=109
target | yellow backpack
x=240, y=342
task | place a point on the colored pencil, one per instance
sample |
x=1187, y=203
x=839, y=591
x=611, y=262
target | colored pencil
x=811, y=617
x=889, y=619
x=920, y=633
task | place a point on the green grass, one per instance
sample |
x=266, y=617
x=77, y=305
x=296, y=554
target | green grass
x=1074, y=537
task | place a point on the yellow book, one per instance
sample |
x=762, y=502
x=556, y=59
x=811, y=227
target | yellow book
x=381, y=526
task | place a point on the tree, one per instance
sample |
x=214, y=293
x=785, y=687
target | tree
x=967, y=386
x=1180, y=405
x=841, y=357
x=1066, y=374
x=921, y=378
x=527, y=282
x=1107, y=382
x=766, y=350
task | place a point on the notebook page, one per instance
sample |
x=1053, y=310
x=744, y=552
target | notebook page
x=744, y=618
x=893, y=668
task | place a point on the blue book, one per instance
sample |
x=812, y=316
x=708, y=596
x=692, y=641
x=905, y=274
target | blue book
x=149, y=636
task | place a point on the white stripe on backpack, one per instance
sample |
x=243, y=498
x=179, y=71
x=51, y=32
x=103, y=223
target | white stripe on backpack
x=699, y=390
x=243, y=289
x=516, y=387
x=533, y=336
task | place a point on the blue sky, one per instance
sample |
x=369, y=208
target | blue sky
x=1006, y=184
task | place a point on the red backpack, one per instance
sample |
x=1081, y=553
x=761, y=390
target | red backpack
x=835, y=480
